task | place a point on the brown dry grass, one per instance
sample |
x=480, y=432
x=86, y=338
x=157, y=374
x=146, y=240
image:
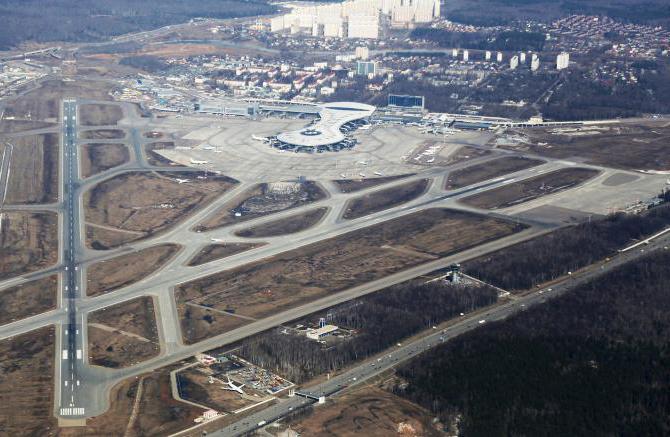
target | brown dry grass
x=259, y=195
x=529, y=189
x=28, y=242
x=44, y=103
x=288, y=225
x=100, y=157
x=218, y=251
x=161, y=202
x=26, y=383
x=351, y=185
x=33, y=176
x=128, y=335
x=367, y=411
x=384, y=199
x=195, y=387
x=488, y=170
x=28, y=299
x=99, y=115
x=156, y=159
x=639, y=146
x=302, y=275
x=103, y=134
x=121, y=271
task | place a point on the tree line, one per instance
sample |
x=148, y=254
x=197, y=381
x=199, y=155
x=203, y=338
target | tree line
x=547, y=257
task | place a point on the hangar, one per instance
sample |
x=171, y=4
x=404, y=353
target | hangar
x=329, y=131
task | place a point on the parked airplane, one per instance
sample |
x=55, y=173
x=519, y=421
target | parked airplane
x=233, y=387
x=181, y=181
x=198, y=162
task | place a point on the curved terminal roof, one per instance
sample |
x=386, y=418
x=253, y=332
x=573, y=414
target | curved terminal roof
x=326, y=130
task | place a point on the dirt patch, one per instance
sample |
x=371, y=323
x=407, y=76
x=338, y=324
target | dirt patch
x=288, y=225
x=102, y=134
x=118, y=205
x=217, y=251
x=263, y=199
x=529, y=189
x=29, y=299
x=642, y=146
x=384, y=199
x=33, y=176
x=28, y=242
x=99, y=115
x=367, y=411
x=100, y=157
x=488, y=170
x=157, y=159
x=119, y=272
x=26, y=383
x=351, y=185
x=123, y=334
x=104, y=239
x=44, y=103
x=311, y=272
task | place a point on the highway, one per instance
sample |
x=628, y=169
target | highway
x=398, y=355
x=71, y=353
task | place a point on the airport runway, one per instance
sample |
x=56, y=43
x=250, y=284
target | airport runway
x=82, y=389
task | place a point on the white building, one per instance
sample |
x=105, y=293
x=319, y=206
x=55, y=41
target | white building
x=466, y=55
x=534, y=63
x=319, y=333
x=363, y=26
x=499, y=57
x=522, y=58
x=362, y=53
x=514, y=62
x=487, y=55
x=562, y=60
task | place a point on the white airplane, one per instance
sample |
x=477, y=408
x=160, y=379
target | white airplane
x=233, y=387
x=258, y=138
x=181, y=181
x=198, y=162
x=378, y=173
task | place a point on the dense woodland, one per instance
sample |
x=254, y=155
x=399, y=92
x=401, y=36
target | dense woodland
x=547, y=257
x=380, y=319
x=94, y=20
x=507, y=40
x=594, y=362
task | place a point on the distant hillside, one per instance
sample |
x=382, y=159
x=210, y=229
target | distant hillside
x=94, y=20
x=495, y=12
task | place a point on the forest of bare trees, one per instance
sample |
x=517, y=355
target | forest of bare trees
x=380, y=320
x=547, y=257
x=595, y=361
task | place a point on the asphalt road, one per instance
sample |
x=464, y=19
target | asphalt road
x=397, y=355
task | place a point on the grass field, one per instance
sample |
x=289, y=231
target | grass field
x=259, y=201
x=27, y=383
x=99, y=115
x=112, y=274
x=302, y=275
x=102, y=134
x=123, y=334
x=384, y=199
x=352, y=185
x=116, y=205
x=529, y=189
x=488, y=170
x=100, y=157
x=28, y=299
x=218, y=251
x=288, y=225
x=641, y=146
x=33, y=176
x=28, y=242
